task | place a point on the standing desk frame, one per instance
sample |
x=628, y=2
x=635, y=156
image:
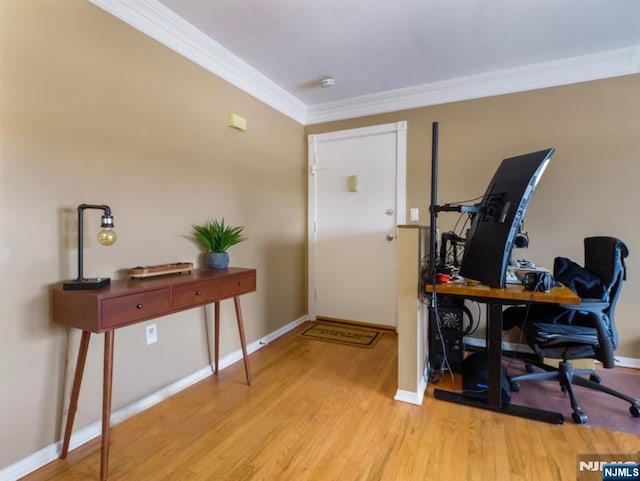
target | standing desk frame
x=495, y=299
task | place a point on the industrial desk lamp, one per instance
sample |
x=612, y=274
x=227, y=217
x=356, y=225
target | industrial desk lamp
x=106, y=237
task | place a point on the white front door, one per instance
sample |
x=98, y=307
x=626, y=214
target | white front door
x=356, y=200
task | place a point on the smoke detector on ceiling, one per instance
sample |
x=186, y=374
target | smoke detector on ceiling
x=327, y=82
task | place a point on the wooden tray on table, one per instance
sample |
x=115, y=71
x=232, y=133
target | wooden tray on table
x=142, y=272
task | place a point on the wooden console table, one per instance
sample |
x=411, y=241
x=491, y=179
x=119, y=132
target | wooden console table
x=129, y=301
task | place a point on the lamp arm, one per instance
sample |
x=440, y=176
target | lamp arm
x=81, y=209
x=105, y=208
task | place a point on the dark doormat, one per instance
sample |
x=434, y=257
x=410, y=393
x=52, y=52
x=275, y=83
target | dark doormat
x=351, y=336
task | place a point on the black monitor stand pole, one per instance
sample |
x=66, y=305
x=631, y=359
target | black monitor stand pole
x=433, y=210
x=435, y=372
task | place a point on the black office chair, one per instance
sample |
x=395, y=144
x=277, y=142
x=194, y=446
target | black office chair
x=587, y=330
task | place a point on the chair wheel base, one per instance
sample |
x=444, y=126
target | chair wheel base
x=579, y=417
x=435, y=377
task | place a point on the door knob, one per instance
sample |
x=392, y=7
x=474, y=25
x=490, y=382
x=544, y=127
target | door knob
x=390, y=237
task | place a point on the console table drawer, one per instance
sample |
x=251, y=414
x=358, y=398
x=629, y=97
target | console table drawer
x=236, y=285
x=117, y=311
x=194, y=294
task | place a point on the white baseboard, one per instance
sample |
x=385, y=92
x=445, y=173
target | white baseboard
x=410, y=396
x=276, y=334
x=78, y=438
x=631, y=362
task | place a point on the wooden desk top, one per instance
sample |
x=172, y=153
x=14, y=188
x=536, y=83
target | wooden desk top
x=512, y=293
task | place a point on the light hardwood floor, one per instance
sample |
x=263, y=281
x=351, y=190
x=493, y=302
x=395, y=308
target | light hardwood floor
x=323, y=411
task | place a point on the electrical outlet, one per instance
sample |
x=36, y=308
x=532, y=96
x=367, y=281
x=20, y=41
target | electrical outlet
x=152, y=333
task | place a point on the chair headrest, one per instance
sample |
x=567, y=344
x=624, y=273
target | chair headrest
x=605, y=257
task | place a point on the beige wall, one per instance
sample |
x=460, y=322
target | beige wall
x=589, y=188
x=93, y=111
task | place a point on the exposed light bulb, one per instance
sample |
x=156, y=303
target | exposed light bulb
x=107, y=236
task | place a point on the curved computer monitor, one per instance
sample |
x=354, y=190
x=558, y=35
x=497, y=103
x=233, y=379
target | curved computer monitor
x=493, y=230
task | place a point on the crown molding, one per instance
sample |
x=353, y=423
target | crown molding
x=611, y=63
x=161, y=24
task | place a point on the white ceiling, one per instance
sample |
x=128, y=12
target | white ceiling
x=386, y=55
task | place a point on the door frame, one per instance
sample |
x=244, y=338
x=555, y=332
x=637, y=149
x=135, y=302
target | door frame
x=400, y=129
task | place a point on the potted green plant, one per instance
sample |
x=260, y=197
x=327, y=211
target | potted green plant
x=217, y=238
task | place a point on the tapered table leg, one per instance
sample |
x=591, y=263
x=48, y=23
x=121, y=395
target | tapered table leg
x=106, y=402
x=243, y=342
x=216, y=321
x=75, y=391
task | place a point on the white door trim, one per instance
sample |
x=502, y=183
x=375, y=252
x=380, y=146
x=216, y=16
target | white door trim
x=400, y=129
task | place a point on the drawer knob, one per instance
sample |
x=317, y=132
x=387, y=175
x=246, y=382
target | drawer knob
x=241, y=284
x=139, y=306
x=198, y=293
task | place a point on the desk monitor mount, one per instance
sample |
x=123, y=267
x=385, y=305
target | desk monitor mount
x=497, y=222
x=443, y=347
x=470, y=209
x=434, y=209
x=451, y=239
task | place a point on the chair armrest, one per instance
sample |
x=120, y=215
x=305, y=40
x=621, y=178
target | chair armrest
x=589, y=305
x=594, y=309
